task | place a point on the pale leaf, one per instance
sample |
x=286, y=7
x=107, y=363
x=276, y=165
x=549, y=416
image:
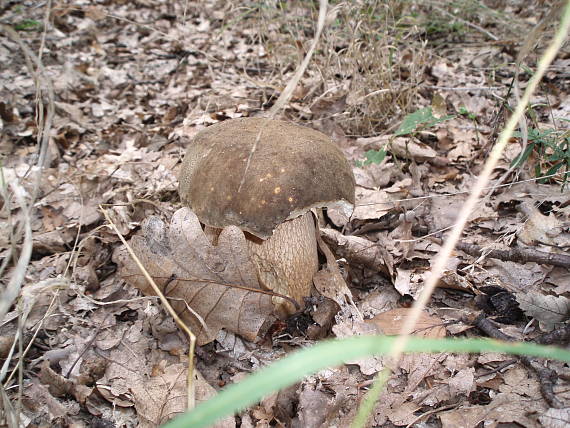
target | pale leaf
x=548, y=310
x=391, y=322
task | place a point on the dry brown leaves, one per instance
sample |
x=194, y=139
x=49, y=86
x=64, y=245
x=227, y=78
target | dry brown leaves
x=201, y=280
x=129, y=94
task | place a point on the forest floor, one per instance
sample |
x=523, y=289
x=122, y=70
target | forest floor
x=414, y=93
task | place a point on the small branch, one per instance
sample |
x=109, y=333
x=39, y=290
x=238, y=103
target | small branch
x=470, y=88
x=559, y=336
x=520, y=255
x=546, y=377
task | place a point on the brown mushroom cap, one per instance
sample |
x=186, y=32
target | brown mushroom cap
x=291, y=170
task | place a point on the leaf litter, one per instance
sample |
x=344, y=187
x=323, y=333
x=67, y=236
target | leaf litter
x=129, y=97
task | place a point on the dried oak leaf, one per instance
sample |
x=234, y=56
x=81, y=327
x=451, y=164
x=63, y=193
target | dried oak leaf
x=199, y=278
x=161, y=397
x=550, y=311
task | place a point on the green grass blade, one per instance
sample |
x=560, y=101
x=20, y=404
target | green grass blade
x=331, y=353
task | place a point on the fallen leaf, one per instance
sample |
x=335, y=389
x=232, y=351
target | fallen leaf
x=360, y=251
x=159, y=398
x=315, y=407
x=548, y=310
x=504, y=408
x=555, y=418
x=374, y=176
x=462, y=149
x=200, y=279
x=463, y=382
x=410, y=149
x=539, y=228
x=372, y=204
x=525, y=277
x=391, y=322
x=402, y=413
x=410, y=281
x=444, y=211
x=43, y=402
x=347, y=327
x=330, y=283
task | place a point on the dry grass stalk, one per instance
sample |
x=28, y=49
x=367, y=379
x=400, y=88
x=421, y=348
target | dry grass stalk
x=171, y=311
x=23, y=230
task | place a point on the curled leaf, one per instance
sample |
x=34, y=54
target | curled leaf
x=210, y=286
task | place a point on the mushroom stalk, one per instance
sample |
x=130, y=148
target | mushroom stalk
x=287, y=261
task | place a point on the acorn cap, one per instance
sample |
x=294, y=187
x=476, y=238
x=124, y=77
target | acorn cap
x=255, y=173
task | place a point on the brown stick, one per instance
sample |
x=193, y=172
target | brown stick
x=520, y=255
x=546, y=377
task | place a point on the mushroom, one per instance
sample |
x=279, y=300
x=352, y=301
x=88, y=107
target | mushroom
x=265, y=176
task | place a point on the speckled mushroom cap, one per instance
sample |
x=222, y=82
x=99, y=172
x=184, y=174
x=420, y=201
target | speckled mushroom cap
x=256, y=173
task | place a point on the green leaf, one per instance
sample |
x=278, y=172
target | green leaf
x=374, y=156
x=295, y=366
x=464, y=112
x=554, y=169
x=413, y=120
x=518, y=161
x=422, y=118
x=28, y=25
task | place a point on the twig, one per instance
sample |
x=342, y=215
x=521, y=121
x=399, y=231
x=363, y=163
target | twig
x=12, y=290
x=431, y=412
x=44, y=124
x=44, y=128
x=29, y=297
x=521, y=255
x=454, y=89
x=559, y=336
x=500, y=367
x=546, y=377
x=42, y=85
x=87, y=345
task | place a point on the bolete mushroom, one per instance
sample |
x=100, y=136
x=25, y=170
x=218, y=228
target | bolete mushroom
x=265, y=176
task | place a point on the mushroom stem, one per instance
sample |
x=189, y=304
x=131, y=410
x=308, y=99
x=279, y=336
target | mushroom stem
x=287, y=261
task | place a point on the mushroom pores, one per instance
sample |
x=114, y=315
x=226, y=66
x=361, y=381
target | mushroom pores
x=265, y=176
